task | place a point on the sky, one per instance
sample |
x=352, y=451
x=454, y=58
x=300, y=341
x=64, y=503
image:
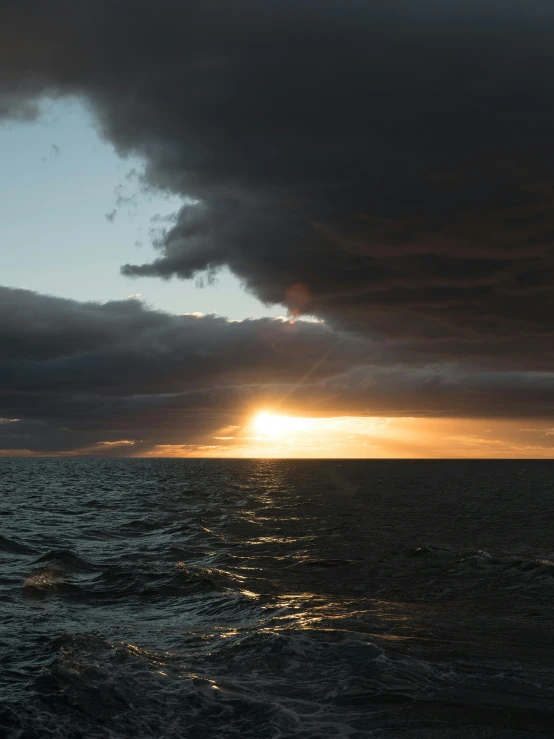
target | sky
x=277, y=229
x=91, y=213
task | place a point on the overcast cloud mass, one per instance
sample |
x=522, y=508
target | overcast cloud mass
x=384, y=166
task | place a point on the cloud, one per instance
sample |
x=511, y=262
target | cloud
x=394, y=158
x=389, y=156
x=50, y=343
x=384, y=166
x=102, y=378
x=80, y=373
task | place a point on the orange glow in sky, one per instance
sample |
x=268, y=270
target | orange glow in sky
x=271, y=424
x=274, y=435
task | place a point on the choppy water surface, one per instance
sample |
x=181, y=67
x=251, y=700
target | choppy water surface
x=266, y=599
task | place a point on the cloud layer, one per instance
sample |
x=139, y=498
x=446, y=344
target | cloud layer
x=96, y=377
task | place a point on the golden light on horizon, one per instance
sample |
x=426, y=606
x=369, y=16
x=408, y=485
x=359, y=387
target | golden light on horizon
x=272, y=424
x=270, y=435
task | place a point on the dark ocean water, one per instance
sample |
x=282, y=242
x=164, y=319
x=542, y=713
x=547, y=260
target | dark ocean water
x=275, y=599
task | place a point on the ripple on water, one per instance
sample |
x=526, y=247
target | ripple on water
x=254, y=600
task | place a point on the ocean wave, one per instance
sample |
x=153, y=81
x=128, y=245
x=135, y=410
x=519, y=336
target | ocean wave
x=14, y=546
x=66, y=560
x=189, y=608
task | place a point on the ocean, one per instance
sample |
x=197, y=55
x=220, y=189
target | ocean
x=275, y=599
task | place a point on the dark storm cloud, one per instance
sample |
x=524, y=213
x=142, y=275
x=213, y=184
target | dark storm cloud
x=76, y=374
x=394, y=157
x=49, y=343
x=119, y=378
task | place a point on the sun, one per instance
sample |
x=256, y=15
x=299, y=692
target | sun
x=274, y=425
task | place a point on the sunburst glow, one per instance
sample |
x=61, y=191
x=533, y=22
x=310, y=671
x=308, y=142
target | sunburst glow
x=274, y=425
